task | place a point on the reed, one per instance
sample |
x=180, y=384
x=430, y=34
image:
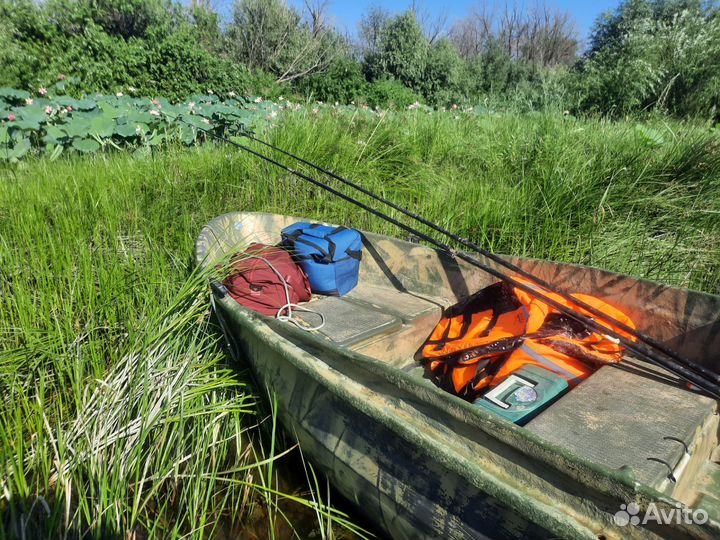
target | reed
x=121, y=415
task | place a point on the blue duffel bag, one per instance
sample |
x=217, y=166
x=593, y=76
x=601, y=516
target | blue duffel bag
x=330, y=256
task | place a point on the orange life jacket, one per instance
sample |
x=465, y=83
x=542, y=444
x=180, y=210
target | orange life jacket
x=495, y=332
x=492, y=314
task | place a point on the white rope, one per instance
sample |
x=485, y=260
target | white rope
x=289, y=317
x=289, y=305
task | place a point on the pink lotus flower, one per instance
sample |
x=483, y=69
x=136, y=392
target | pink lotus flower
x=48, y=110
x=258, y=99
x=155, y=112
x=69, y=108
x=119, y=94
x=29, y=101
x=11, y=117
x=42, y=90
x=61, y=77
x=155, y=101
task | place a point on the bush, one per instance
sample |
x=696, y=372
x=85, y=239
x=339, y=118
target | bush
x=402, y=53
x=443, y=74
x=17, y=63
x=261, y=83
x=104, y=51
x=390, y=93
x=96, y=61
x=131, y=18
x=176, y=68
x=343, y=82
x=121, y=18
x=654, y=54
x=271, y=35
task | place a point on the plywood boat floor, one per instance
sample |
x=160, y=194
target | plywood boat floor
x=404, y=304
x=623, y=418
x=347, y=322
x=381, y=322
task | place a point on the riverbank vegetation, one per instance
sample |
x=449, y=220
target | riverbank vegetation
x=646, y=55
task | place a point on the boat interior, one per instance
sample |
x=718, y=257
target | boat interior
x=629, y=415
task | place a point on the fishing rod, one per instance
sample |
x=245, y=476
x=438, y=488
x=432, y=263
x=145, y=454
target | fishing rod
x=680, y=370
x=499, y=260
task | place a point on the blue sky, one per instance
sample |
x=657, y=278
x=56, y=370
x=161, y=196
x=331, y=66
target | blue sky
x=346, y=14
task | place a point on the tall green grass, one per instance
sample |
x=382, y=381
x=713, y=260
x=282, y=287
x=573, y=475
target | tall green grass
x=119, y=413
x=160, y=446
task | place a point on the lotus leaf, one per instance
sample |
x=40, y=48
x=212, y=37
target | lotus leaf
x=13, y=95
x=102, y=126
x=86, y=145
x=77, y=127
x=20, y=149
x=126, y=130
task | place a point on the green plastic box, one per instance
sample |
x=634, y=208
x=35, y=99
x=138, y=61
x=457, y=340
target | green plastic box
x=524, y=394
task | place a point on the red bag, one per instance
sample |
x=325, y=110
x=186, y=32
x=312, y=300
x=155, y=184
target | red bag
x=255, y=283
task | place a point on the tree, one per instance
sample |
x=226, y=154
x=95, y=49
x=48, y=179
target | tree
x=443, y=73
x=402, y=52
x=549, y=38
x=654, y=53
x=610, y=27
x=205, y=24
x=497, y=67
x=270, y=35
x=542, y=36
x=471, y=34
x=371, y=27
x=433, y=24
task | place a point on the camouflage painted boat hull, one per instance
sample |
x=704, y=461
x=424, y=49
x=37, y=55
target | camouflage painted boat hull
x=422, y=463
